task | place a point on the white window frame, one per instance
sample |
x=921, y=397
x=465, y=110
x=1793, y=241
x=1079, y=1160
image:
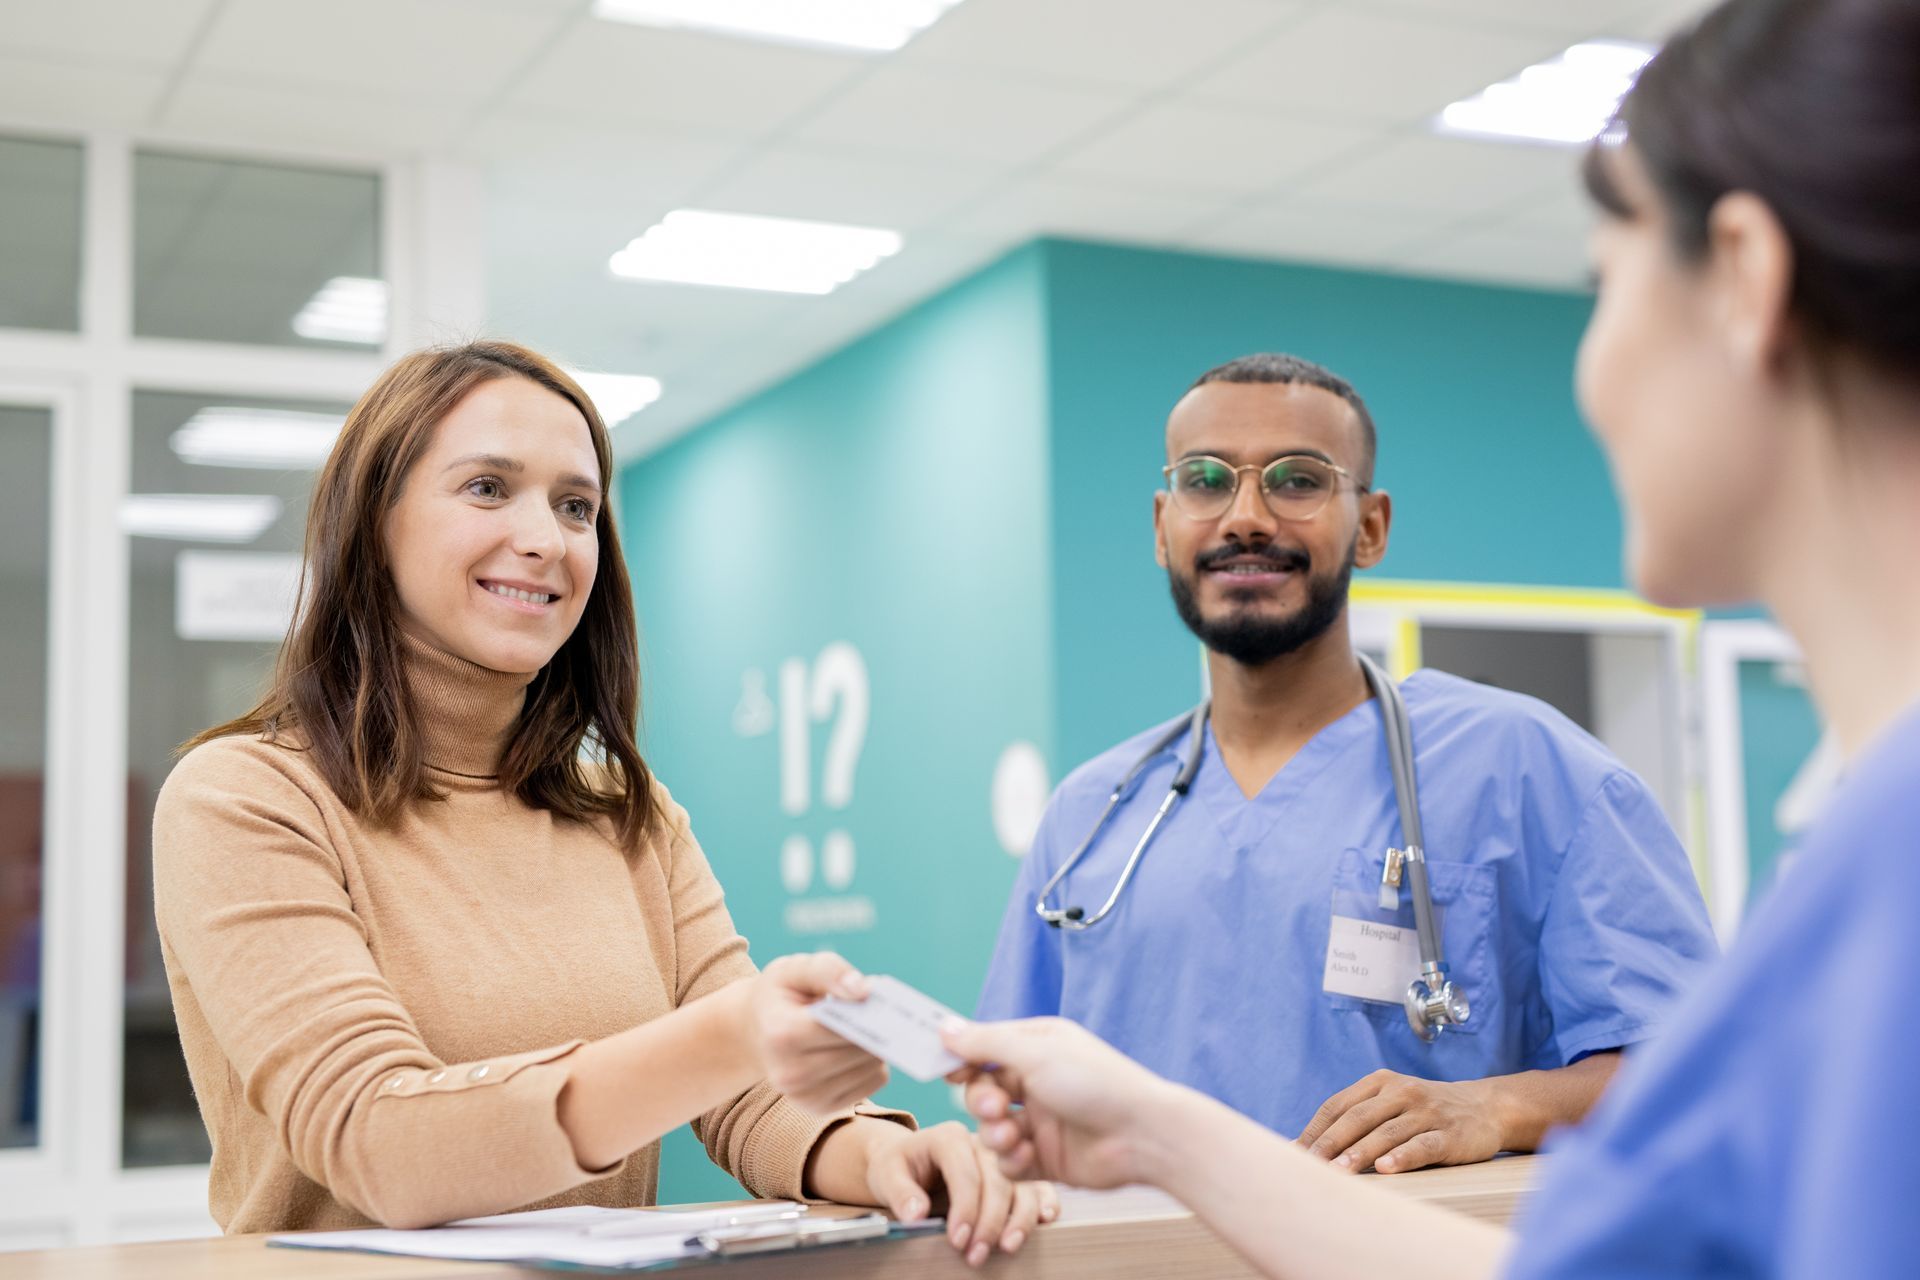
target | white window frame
x=71, y=1189
x=59, y=399
x=1724, y=648
x=1393, y=613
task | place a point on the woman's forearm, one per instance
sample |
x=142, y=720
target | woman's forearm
x=630, y=1088
x=837, y=1166
x=1292, y=1216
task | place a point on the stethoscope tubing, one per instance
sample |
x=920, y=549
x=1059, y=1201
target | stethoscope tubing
x=1397, y=728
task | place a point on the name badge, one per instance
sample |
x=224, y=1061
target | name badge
x=1371, y=961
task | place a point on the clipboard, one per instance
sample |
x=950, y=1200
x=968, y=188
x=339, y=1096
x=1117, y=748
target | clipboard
x=630, y=1241
x=795, y=1233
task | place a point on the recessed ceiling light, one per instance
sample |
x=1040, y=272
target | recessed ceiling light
x=198, y=517
x=346, y=309
x=744, y=251
x=873, y=26
x=618, y=396
x=1567, y=99
x=275, y=439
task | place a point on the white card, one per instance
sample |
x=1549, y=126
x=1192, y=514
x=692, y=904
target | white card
x=1371, y=961
x=896, y=1023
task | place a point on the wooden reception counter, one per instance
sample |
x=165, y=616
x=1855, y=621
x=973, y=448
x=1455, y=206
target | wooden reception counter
x=1110, y=1235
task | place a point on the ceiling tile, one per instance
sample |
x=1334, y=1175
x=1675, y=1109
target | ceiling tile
x=1449, y=177
x=948, y=114
x=405, y=48
x=587, y=316
x=1302, y=229
x=60, y=94
x=1573, y=19
x=271, y=116
x=1211, y=148
x=151, y=33
x=1563, y=209
x=1096, y=42
x=1098, y=210
x=604, y=73
x=829, y=184
x=1507, y=253
x=594, y=176
x=1658, y=21
x=1351, y=64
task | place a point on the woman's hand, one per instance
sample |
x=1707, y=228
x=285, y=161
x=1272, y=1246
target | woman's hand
x=943, y=1170
x=813, y=1067
x=1054, y=1101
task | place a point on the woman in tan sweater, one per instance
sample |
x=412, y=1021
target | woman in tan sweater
x=427, y=961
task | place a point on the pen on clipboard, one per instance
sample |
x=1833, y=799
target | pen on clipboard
x=649, y=1225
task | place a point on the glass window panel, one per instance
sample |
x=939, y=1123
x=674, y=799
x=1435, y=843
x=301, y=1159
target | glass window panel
x=234, y=251
x=26, y=460
x=39, y=234
x=206, y=616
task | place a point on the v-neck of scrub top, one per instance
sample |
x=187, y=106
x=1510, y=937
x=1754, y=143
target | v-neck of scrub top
x=1249, y=822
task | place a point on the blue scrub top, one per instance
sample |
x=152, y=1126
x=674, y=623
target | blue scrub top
x=1571, y=918
x=1771, y=1132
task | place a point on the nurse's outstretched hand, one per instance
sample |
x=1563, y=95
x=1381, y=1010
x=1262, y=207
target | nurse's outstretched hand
x=1392, y=1123
x=1081, y=1106
x=816, y=1069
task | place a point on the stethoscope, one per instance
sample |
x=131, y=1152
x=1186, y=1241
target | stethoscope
x=1432, y=1001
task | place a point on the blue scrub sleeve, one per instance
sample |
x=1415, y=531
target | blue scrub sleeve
x=1770, y=1131
x=1023, y=980
x=1625, y=934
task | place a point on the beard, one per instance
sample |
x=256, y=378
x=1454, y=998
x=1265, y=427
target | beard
x=1254, y=640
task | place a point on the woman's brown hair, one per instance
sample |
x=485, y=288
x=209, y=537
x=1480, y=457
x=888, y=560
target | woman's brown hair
x=340, y=683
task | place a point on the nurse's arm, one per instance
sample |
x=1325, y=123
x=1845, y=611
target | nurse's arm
x=1392, y=1123
x=1090, y=1116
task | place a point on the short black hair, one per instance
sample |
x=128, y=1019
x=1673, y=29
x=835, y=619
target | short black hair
x=1278, y=367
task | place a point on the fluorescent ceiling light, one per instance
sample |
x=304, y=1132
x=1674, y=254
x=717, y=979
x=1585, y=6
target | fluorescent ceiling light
x=873, y=26
x=744, y=251
x=1568, y=99
x=198, y=517
x=618, y=396
x=346, y=309
x=277, y=439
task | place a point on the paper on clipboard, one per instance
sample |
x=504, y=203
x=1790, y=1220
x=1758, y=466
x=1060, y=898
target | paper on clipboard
x=583, y=1235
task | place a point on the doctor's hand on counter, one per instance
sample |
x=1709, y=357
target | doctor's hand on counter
x=1392, y=1123
x=913, y=1174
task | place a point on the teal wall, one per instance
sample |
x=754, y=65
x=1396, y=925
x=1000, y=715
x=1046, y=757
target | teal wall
x=965, y=497
x=893, y=498
x=1779, y=731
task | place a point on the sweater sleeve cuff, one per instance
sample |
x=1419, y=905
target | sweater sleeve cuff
x=775, y=1163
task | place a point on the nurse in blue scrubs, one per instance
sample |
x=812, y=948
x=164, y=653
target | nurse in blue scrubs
x=1241, y=958
x=1753, y=369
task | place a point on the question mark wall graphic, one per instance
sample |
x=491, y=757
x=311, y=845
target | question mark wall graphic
x=833, y=689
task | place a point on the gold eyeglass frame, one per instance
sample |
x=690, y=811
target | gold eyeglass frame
x=1259, y=469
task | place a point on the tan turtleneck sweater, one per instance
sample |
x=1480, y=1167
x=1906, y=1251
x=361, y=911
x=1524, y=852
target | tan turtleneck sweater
x=376, y=1020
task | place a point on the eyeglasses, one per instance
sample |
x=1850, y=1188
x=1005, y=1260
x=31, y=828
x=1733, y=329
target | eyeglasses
x=1297, y=486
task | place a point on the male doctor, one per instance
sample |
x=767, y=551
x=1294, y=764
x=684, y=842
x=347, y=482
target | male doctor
x=1251, y=956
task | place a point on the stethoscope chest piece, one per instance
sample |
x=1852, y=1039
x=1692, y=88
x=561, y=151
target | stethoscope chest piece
x=1433, y=1003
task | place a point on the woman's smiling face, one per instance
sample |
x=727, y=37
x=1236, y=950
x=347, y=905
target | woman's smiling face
x=492, y=544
